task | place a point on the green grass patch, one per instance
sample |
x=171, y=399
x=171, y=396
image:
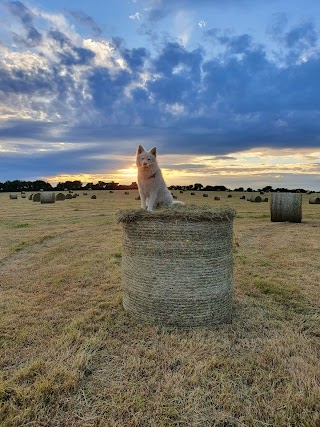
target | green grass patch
x=22, y=225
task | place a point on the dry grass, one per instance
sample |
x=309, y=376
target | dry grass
x=70, y=356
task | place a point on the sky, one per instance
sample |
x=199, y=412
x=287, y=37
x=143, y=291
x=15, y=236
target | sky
x=227, y=90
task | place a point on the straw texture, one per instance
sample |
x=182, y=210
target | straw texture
x=286, y=207
x=36, y=197
x=60, y=196
x=177, y=265
x=314, y=200
x=47, y=198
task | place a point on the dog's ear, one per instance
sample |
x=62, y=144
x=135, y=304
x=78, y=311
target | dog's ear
x=153, y=151
x=140, y=149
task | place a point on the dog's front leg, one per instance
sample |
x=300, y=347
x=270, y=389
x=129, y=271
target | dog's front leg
x=143, y=201
x=151, y=201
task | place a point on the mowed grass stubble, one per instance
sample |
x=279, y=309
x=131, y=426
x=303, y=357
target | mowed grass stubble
x=71, y=356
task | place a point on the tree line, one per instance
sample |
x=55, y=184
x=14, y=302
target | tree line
x=19, y=185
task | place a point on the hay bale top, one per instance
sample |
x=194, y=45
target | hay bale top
x=191, y=213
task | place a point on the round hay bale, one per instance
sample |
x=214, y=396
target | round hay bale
x=23, y=195
x=195, y=289
x=30, y=196
x=229, y=195
x=286, y=207
x=216, y=198
x=65, y=189
x=314, y=200
x=137, y=198
x=243, y=197
x=36, y=197
x=205, y=195
x=47, y=197
x=85, y=194
x=110, y=191
x=68, y=196
x=74, y=196
x=13, y=196
x=23, y=192
x=255, y=198
x=264, y=199
x=126, y=193
x=193, y=194
x=93, y=197
x=60, y=196
x=70, y=191
x=181, y=191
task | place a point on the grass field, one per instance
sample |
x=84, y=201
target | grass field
x=70, y=356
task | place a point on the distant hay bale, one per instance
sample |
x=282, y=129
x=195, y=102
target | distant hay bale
x=137, y=198
x=216, y=198
x=65, y=189
x=74, y=196
x=174, y=197
x=13, y=196
x=68, y=196
x=256, y=198
x=243, y=197
x=229, y=195
x=261, y=192
x=23, y=192
x=193, y=194
x=181, y=191
x=195, y=289
x=93, y=197
x=85, y=194
x=286, y=207
x=205, y=195
x=70, y=191
x=47, y=197
x=41, y=189
x=126, y=193
x=23, y=195
x=264, y=199
x=36, y=197
x=60, y=196
x=30, y=196
x=110, y=191
x=314, y=200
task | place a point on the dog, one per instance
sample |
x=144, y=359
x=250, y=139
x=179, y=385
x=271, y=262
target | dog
x=152, y=188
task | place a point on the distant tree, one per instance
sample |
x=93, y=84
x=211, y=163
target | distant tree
x=215, y=188
x=249, y=190
x=239, y=189
x=197, y=186
x=267, y=188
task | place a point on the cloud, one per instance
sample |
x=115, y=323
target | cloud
x=135, y=16
x=21, y=11
x=101, y=92
x=86, y=21
x=158, y=9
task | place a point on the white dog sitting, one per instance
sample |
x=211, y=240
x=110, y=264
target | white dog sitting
x=152, y=188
